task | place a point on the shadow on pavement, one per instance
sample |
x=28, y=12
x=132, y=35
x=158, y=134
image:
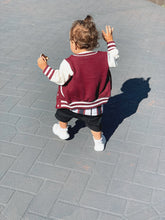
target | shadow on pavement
x=75, y=129
x=124, y=105
x=119, y=107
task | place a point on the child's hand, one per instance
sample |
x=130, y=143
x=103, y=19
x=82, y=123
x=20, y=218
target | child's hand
x=42, y=64
x=108, y=35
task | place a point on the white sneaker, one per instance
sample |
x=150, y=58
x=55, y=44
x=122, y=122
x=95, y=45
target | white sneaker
x=100, y=144
x=62, y=133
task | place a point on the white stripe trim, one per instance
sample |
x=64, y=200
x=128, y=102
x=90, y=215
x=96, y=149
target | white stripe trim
x=111, y=48
x=50, y=73
x=111, y=43
x=62, y=93
x=84, y=54
x=86, y=103
x=84, y=106
x=46, y=71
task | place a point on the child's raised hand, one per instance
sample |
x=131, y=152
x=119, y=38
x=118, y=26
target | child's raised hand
x=108, y=34
x=42, y=63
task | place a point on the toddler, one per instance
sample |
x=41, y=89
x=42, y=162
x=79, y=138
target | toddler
x=84, y=80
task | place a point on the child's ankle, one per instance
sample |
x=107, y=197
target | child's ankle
x=63, y=125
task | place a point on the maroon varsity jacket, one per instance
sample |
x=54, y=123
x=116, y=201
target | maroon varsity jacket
x=90, y=85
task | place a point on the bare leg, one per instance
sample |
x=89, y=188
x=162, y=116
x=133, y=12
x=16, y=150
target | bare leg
x=63, y=124
x=96, y=134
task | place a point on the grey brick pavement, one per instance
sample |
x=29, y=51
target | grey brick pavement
x=44, y=178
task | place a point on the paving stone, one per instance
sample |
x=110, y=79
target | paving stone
x=49, y=95
x=121, y=131
x=130, y=191
x=14, y=83
x=50, y=172
x=29, y=98
x=30, y=216
x=108, y=156
x=150, y=179
x=101, y=177
x=137, y=137
x=45, y=199
x=79, y=142
x=75, y=163
x=156, y=129
x=134, y=206
x=158, y=118
x=84, y=151
x=1, y=209
x=149, y=159
x=10, y=148
x=8, y=118
x=126, y=167
x=28, y=125
x=72, y=212
x=109, y=216
x=21, y=182
x=3, y=83
x=74, y=187
x=7, y=132
x=25, y=160
x=161, y=167
x=38, y=79
x=154, y=140
x=31, y=87
x=144, y=214
x=138, y=121
x=98, y=183
x=5, y=164
x=17, y=205
x=12, y=92
x=30, y=140
x=126, y=147
x=160, y=208
x=103, y=202
x=2, y=98
x=47, y=118
x=5, y=195
x=158, y=196
x=162, y=154
x=44, y=105
x=46, y=131
x=25, y=111
x=51, y=151
x=8, y=103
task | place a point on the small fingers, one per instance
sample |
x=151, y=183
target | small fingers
x=103, y=32
x=109, y=30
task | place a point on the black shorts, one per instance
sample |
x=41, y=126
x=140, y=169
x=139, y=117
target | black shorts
x=92, y=122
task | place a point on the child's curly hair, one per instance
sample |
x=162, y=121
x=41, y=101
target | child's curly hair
x=84, y=33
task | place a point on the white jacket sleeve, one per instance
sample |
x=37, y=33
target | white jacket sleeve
x=113, y=54
x=61, y=75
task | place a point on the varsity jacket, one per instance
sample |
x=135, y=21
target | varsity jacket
x=84, y=79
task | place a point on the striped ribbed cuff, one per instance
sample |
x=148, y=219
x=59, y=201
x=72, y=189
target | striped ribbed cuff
x=111, y=45
x=49, y=72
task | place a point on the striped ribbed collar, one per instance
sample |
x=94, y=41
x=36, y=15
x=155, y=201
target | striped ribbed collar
x=85, y=53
